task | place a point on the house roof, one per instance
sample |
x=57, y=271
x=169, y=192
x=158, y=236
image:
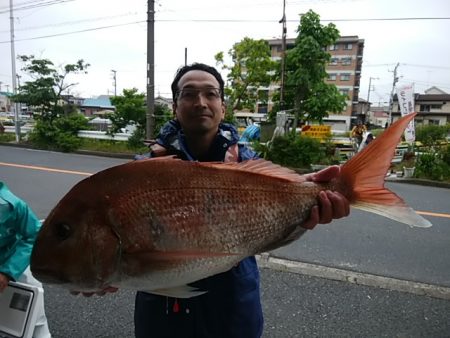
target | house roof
x=434, y=90
x=102, y=101
x=428, y=97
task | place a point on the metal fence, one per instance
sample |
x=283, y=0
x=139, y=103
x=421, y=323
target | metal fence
x=99, y=135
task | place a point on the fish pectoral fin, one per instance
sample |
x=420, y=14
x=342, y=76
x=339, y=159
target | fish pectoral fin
x=182, y=291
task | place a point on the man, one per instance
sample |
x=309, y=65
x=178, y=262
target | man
x=18, y=230
x=368, y=137
x=358, y=132
x=231, y=307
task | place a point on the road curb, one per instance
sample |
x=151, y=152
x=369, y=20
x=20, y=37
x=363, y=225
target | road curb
x=314, y=270
x=418, y=181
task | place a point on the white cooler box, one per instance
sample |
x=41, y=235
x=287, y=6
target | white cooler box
x=17, y=309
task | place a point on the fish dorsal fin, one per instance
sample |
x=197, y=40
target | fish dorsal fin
x=258, y=166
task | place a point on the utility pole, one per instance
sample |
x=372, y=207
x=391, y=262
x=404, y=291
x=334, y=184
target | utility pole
x=283, y=55
x=13, y=65
x=150, y=69
x=391, y=98
x=115, y=81
x=19, y=105
x=185, y=56
x=368, y=92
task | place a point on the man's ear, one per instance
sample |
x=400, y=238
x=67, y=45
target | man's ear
x=224, y=110
x=174, y=110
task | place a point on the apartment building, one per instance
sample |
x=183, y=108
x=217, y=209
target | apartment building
x=344, y=70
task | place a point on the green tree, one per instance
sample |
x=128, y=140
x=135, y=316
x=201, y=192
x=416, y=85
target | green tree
x=306, y=90
x=44, y=92
x=252, y=69
x=131, y=109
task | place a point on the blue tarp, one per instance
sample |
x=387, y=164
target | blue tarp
x=251, y=133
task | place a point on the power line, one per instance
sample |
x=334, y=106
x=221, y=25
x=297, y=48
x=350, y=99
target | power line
x=41, y=4
x=201, y=21
x=64, y=23
x=388, y=19
x=75, y=32
x=275, y=21
x=424, y=66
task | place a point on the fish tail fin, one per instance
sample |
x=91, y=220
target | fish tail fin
x=362, y=178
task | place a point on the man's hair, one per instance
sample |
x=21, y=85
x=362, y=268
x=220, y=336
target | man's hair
x=196, y=66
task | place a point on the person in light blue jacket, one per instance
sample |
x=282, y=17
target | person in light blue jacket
x=19, y=227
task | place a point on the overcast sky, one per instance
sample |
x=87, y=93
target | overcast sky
x=205, y=27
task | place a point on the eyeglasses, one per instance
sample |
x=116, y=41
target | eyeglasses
x=191, y=94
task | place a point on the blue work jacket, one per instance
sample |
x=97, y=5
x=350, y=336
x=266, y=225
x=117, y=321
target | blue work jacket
x=231, y=308
x=19, y=227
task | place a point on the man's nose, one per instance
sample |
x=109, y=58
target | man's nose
x=200, y=99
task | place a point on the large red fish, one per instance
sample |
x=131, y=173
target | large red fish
x=158, y=224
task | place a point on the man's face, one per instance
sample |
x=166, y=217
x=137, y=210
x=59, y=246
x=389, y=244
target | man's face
x=199, y=107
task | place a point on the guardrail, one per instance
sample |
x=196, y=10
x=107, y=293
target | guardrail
x=99, y=135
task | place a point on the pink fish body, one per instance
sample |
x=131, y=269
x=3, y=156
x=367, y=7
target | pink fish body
x=159, y=224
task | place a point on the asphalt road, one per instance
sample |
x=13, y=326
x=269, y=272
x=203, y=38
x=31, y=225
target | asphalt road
x=369, y=243
x=294, y=305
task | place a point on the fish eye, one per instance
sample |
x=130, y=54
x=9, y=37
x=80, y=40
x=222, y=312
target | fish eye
x=63, y=231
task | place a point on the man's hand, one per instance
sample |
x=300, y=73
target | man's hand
x=109, y=289
x=332, y=205
x=4, y=279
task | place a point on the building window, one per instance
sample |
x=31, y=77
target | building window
x=334, y=61
x=346, y=61
x=334, y=47
x=433, y=122
x=436, y=106
x=345, y=77
x=331, y=77
x=425, y=107
x=263, y=108
x=344, y=92
x=348, y=46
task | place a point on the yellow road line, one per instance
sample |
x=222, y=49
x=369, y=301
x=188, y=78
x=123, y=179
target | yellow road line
x=82, y=173
x=435, y=214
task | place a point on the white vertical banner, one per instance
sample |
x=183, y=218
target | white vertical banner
x=405, y=97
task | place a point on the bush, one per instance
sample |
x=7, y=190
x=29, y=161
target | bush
x=60, y=133
x=434, y=166
x=430, y=135
x=296, y=151
x=446, y=154
x=435, y=163
x=136, y=140
x=7, y=137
